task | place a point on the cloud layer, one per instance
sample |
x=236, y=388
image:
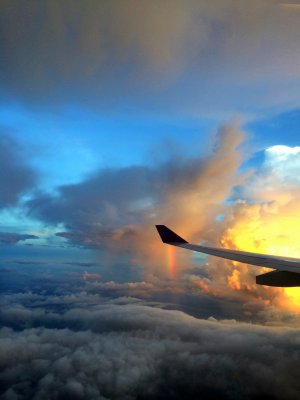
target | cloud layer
x=153, y=54
x=134, y=351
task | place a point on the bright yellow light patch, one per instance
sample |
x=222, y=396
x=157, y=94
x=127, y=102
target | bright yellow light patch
x=265, y=229
x=293, y=294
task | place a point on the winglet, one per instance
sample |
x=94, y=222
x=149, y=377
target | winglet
x=168, y=236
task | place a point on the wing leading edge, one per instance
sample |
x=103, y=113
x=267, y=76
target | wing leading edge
x=287, y=272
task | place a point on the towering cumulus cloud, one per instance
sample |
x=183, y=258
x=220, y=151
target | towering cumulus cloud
x=269, y=221
x=115, y=210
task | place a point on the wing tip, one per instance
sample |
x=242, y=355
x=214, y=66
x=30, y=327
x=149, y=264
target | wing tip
x=168, y=236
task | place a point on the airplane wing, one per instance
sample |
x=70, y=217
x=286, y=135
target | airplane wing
x=287, y=269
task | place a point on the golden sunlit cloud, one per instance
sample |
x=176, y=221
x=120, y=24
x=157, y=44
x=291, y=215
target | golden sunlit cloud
x=257, y=230
x=269, y=224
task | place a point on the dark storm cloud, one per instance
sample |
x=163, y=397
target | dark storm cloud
x=191, y=56
x=118, y=205
x=16, y=176
x=13, y=238
x=105, y=200
x=102, y=208
x=106, y=205
x=132, y=351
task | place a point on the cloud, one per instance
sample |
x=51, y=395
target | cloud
x=116, y=209
x=173, y=55
x=273, y=200
x=88, y=276
x=13, y=238
x=96, y=202
x=228, y=291
x=265, y=220
x=17, y=177
x=134, y=351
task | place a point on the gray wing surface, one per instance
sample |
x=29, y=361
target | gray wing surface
x=287, y=269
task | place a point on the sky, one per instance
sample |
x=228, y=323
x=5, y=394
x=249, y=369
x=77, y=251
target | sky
x=116, y=116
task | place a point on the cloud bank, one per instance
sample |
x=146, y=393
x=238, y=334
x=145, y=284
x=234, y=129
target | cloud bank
x=135, y=351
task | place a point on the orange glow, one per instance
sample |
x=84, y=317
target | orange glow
x=233, y=280
x=261, y=229
x=171, y=260
x=293, y=295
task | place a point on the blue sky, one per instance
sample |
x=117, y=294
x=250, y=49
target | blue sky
x=97, y=140
x=65, y=146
